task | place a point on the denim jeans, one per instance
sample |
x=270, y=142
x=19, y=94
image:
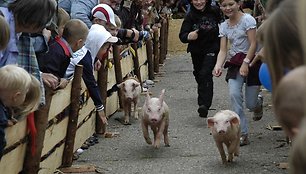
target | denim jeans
x=236, y=97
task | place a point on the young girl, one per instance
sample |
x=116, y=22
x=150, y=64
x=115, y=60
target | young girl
x=21, y=91
x=240, y=30
x=200, y=31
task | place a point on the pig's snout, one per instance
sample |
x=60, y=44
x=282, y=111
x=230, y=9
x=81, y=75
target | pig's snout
x=221, y=132
x=153, y=120
x=129, y=99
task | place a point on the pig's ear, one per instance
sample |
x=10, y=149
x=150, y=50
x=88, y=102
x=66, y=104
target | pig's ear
x=147, y=98
x=136, y=84
x=210, y=122
x=234, y=120
x=121, y=85
x=161, y=96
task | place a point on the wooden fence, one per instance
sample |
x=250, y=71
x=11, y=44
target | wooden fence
x=69, y=116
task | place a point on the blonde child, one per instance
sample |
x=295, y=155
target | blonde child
x=16, y=85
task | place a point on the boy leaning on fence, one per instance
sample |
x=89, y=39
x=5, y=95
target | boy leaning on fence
x=96, y=46
x=57, y=59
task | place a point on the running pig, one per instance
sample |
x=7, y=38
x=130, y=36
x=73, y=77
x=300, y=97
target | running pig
x=225, y=128
x=130, y=90
x=155, y=113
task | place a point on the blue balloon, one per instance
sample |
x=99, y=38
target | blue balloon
x=264, y=77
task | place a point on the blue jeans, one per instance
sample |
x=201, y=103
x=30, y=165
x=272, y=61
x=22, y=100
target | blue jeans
x=236, y=97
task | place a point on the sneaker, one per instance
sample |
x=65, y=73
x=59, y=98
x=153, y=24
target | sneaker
x=258, y=111
x=244, y=140
x=203, y=111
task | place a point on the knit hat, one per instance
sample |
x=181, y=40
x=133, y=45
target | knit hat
x=105, y=13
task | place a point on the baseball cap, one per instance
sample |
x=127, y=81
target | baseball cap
x=104, y=12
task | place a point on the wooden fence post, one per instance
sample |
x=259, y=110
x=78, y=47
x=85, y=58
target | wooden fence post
x=32, y=162
x=102, y=83
x=162, y=42
x=149, y=47
x=118, y=70
x=166, y=36
x=73, y=116
x=136, y=63
x=156, y=51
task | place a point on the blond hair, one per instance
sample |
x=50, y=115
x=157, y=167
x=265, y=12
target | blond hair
x=288, y=102
x=283, y=50
x=32, y=99
x=62, y=17
x=4, y=33
x=118, y=21
x=15, y=78
x=74, y=30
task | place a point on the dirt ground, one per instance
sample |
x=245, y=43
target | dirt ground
x=192, y=150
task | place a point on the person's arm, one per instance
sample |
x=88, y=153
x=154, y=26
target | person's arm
x=244, y=69
x=221, y=57
x=81, y=9
x=92, y=86
x=187, y=33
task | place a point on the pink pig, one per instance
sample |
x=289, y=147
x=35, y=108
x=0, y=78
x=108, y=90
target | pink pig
x=225, y=128
x=156, y=115
x=130, y=90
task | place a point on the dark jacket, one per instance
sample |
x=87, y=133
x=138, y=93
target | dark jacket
x=207, y=23
x=90, y=81
x=56, y=60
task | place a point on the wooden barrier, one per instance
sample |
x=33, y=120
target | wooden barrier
x=69, y=118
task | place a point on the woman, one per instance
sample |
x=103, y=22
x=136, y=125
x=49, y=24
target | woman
x=200, y=30
x=240, y=30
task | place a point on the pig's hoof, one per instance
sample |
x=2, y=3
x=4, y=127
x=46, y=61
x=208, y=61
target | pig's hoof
x=149, y=141
x=167, y=145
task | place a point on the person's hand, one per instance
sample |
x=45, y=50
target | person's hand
x=193, y=35
x=97, y=65
x=50, y=80
x=103, y=117
x=259, y=56
x=63, y=83
x=217, y=71
x=244, y=69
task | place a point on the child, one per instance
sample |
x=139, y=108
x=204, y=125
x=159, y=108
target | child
x=4, y=33
x=13, y=93
x=61, y=49
x=97, y=44
x=240, y=30
x=200, y=30
x=289, y=100
x=62, y=18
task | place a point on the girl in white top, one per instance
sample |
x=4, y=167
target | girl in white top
x=240, y=30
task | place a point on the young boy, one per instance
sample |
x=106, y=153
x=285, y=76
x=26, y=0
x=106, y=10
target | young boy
x=97, y=44
x=61, y=49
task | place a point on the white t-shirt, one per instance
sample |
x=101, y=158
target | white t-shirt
x=237, y=34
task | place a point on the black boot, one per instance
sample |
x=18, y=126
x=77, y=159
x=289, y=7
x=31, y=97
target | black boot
x=203, y=111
